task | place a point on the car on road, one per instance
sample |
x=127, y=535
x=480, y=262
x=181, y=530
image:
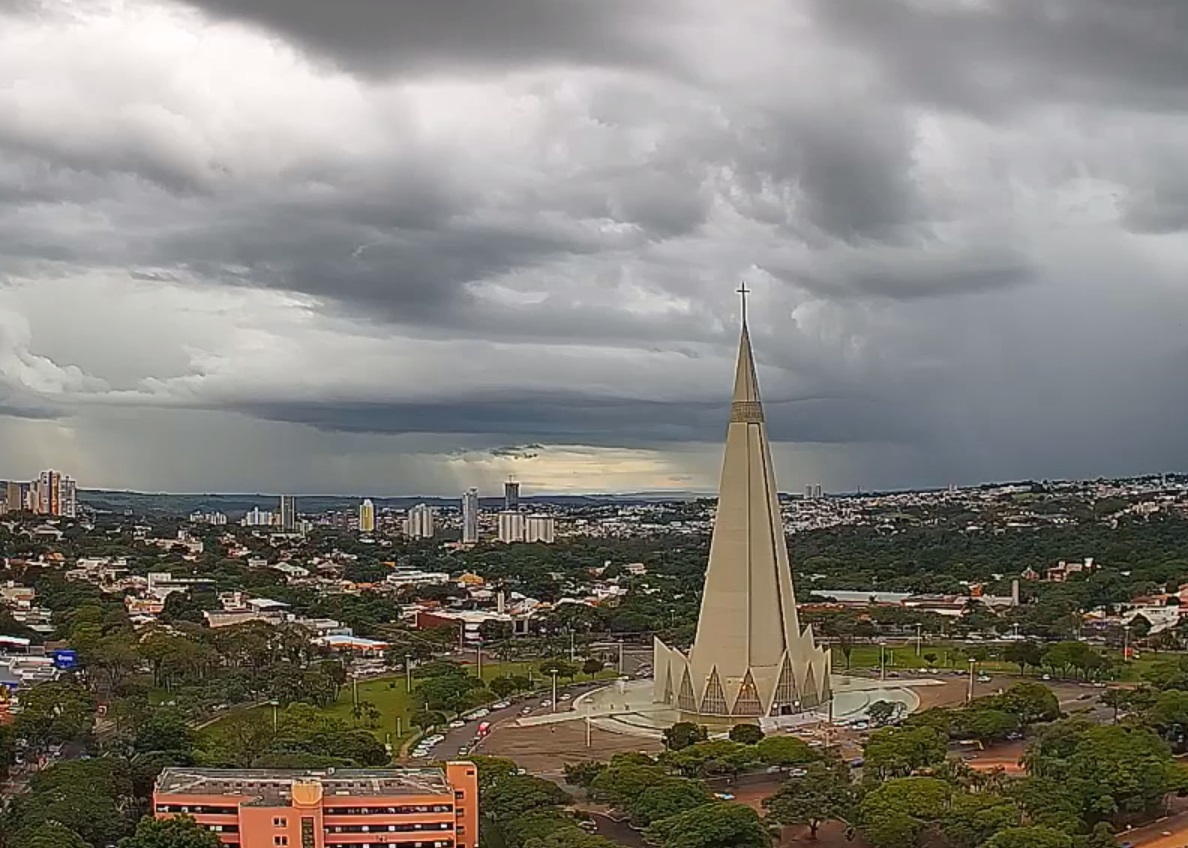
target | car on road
x=500, y=705
x=797, y=772
x=723, y=796
x=983, y=678
x=526, y=710
x=546, y=703
x=454, y=725
x=1046, y=677
x=464, y=750
x=565, y=697
x=588, y=825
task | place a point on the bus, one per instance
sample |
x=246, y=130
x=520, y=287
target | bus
x=484, y=728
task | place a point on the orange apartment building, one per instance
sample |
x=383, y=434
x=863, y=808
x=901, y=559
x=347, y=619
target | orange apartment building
x=343, y=808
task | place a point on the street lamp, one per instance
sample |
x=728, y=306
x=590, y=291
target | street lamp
x=408, y=673
x=1125, y=643
x=275, y=715
x=972, y=664
x=882, y=659
x=919, y=636
x=553, y=704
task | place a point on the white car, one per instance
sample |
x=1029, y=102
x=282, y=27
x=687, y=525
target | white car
x=454, y=725
x=500, y=705
x=565, y=697
x=546, y=703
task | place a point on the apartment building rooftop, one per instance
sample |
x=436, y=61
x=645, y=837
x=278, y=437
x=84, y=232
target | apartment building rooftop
x=276, y=785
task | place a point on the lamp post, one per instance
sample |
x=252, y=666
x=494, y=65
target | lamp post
x=408, y=673
x=919, y=637
x=882, y=660
x=972, y=665
x=275, y=714
x=1125, y=643
x=620, y=658
x=553, y=703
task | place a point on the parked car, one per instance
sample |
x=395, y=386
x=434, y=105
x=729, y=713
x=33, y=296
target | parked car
x=723, y=796
x=454, y=725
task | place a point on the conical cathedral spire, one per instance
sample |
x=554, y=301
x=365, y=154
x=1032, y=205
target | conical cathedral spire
x=749, y=653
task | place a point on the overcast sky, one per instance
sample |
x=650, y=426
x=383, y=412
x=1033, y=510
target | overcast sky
x=407, y=247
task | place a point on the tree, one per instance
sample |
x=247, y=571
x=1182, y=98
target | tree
x=592, y=666
x=1032, y=702
x=165, y=730
x=89, y=797
x=670, y=798
x=54, y=714
x=1030, y=837
x=899, y=751
x=883, y=712
x=48, y=835
x=746, y=734
x=1024, y=654
x=893, y=814
x=824, y=792
x=986, y=725
x=784, y=751
x=583, y=773
x=973, y=818
x=502, y=687
x=513, y=796
x=683, y=734
x=711, y=826
x=177, y=832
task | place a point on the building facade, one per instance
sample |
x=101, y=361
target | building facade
x=511, y=495
x=470, y=516
x=274, y=808
x=750, y=658
x=540, y=528
x=288, y=513
x=511, y=526
x=419, y=522
x=367, y=516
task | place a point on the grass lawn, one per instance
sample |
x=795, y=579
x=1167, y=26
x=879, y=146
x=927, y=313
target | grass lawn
x=390, y=696
x=947, y=656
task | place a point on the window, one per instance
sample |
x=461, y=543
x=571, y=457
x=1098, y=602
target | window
x=280, y=840
x=280, y=822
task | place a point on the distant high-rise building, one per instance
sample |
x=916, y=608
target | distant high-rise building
x=257, y=518
x=14, y=496
x=817, y=491
x=49, y=493
x=54, y=495
x=512, y=526
x=288, y=513
x=69, y=499
x=367, y=517
x=808, y=491
x=540, y=528
x=511, y=495
x=470, y=516
x=419, y=523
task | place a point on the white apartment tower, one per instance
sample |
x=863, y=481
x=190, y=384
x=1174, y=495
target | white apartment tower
x=470, y=516
x=512, y=526
x=288, y=513
x=367, y=516
x=419, y=523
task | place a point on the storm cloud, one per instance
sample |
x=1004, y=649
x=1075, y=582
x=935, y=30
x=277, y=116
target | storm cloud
x=396, y=238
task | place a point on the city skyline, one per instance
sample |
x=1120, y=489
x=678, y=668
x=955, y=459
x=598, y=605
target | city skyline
x=966, y=267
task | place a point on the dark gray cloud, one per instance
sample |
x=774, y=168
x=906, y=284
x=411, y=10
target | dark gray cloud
x=946, y=211
x=448, y=36
x=991, y=57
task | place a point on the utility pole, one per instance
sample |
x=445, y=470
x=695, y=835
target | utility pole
x=588, y=740
x=919, y=637
x=972, y=665
x=572, y=645
x=275, y=715
x=882, y=660
x=408, y=673
x=478, y=654
x=620, y=658
x=553, y=703
x=1125, y=643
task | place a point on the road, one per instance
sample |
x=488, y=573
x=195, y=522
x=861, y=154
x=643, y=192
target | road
x=457, y=738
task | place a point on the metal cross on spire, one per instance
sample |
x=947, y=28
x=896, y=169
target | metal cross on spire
x=743, y=291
